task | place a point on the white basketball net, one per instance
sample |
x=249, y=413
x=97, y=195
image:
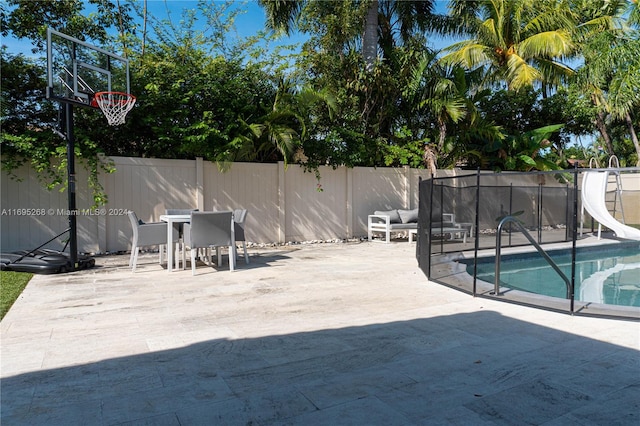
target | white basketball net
x=115, y=105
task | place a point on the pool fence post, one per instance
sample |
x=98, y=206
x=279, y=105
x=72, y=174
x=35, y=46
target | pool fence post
x=574, y=236
x=539, y=212
x=510, y=210
x=441, y=215
x=567, y=211
x=428, y=236
x=477, y=241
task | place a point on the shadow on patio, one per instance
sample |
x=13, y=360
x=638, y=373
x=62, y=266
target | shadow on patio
x=466, y=368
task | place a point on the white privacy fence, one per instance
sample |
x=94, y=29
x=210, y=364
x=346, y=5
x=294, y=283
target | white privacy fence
x=284, y=204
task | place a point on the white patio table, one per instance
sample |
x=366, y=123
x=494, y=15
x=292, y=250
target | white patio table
x=171, y=219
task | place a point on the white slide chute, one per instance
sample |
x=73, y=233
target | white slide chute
x=594, y=189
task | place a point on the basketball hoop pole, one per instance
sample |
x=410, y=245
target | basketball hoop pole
x=79, y=73
x=71, y=186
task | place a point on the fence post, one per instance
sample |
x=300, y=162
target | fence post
x=200, y=183
x=349, y=206
x=477, y=233
x=102, y=220
x=574, y=237
x=407, y=187
x=282, y=219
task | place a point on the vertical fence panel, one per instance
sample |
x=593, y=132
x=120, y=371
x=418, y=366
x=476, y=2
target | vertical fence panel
x=312, y=211
x=31, y=214
x=148, y=187
x=376, y=189
x=250, y=186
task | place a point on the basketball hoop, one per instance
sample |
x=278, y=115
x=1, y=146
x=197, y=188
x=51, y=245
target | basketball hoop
x=114, y=105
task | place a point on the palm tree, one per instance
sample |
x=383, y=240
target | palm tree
x=379, y=19
x=610, y=75
x=369, y=45
x=278, y=133
x=439, y=91
x=613, y=79
x=516, y=42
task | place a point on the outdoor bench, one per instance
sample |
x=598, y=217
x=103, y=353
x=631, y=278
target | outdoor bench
x=396, y=220
x=406, y=221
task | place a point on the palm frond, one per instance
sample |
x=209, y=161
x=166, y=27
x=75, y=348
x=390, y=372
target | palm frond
x=624, y=93
x=284, y=139
x=554, y=73
x=282, y=15
x=469, y=55
x=489, y=33
x=257, y=129
x=520, y=74
x=548, y=44
x=634, y=14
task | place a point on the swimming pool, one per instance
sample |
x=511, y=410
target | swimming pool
x=607, y=274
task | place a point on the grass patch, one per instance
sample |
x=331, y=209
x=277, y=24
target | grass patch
x=11, y=286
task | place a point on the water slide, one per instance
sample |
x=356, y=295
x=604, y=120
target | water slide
x=594, y=189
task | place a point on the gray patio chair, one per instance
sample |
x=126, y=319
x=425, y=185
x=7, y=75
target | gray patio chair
x=211, y=230
x=179, y=211
x=146, y=234
x=239, y=217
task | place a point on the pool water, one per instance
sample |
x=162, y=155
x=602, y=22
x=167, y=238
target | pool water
x=604, y=275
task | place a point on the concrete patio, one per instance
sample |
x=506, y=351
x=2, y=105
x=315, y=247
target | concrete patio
x=322, y=334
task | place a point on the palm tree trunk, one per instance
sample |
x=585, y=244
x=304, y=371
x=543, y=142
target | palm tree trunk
x=144, y=25
x=370, y=36
x=121, y=28
x=442, y=134
x=602, y=128
x=429, y=158
x=634, y=137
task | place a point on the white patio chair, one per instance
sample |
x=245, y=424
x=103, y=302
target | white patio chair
x=211, y=230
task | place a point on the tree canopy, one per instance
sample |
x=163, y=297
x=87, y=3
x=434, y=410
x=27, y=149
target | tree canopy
x=523, y=82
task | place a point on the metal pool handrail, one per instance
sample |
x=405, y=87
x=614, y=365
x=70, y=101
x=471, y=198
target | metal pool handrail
x=550, y=261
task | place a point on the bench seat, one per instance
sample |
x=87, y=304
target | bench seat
x=406, y=221
x=452, y=232
x=383, y=223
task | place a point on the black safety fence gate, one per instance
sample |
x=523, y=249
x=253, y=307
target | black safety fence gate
x=539, y=215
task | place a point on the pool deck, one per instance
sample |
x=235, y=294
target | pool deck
x=322, y=334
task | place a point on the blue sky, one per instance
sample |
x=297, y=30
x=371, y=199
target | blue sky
x=247, y=24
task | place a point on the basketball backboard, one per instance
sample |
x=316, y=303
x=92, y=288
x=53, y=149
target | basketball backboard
x=76, y=70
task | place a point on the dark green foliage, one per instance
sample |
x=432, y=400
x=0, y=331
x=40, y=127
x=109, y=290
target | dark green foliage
x=201, y=94
x=31, y=127
x=30, y=19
